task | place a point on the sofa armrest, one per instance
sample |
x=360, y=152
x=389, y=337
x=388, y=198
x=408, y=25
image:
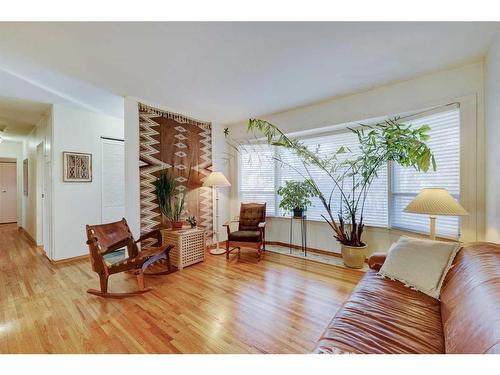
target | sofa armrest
x=376, y=260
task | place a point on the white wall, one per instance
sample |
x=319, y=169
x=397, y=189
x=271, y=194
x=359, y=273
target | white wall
x=221, y=163
x=77, y=204
x=132, y=190
x=463, y=84
x=492, y=95
x=10, y=149
x=132, y=182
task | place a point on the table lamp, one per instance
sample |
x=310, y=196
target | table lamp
x=435, y=201
x=215, y=180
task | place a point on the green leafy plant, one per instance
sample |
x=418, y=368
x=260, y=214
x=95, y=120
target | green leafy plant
x=192, y=220
x=171, y=205
x=295, y=195
x=351, y=177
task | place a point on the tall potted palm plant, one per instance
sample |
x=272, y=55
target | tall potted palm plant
x=351, y=175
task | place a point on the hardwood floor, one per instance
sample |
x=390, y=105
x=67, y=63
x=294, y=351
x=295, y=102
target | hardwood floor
x=279, y=305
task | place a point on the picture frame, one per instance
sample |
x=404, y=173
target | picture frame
x=77, y=167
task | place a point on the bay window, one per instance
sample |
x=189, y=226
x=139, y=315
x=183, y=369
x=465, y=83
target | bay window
x=263, y=169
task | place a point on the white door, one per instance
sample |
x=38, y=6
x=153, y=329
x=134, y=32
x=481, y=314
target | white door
x=8, y=192
x=113, y=180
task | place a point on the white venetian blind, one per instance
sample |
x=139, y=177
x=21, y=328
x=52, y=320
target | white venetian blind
x=444, y=142
x=257, y=176
x=376, y=206
x=261, y=175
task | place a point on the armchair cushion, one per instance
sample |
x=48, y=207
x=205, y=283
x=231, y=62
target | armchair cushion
x=245, y=236
x=251, y=214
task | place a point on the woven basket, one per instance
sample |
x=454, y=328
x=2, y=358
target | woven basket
x=189, y=246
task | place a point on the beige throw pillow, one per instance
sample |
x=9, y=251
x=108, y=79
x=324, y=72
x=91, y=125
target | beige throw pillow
x=420, y=264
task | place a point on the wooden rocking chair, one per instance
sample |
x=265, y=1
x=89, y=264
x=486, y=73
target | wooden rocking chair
x=105, y=239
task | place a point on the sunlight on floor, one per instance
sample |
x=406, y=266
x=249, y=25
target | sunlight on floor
x=315, y=257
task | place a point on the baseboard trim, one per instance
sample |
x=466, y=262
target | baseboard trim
x=311, y=249
x=69, y=260
x=28, y=236
x=284, y=244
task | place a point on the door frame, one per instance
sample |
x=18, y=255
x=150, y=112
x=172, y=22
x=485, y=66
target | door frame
x=14, y=161
x=43, y=199
x=108, y=140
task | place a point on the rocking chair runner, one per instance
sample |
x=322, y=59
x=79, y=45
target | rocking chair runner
x=109, y=238
x=251, y=229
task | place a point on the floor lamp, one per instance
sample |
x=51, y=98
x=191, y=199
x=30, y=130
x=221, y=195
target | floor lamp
x=215, y=180
x=435, y=201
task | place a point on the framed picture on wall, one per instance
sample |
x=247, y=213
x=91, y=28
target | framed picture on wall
x=25, y=176
x=77, y=167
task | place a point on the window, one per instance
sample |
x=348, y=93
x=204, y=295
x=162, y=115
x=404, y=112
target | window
x=257, y=176
x=376, y=205
x=444, y=142
x=261, y=174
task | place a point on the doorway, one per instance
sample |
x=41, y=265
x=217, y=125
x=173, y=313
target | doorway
x=42, y=179
x=113, y=180
x=8, y=191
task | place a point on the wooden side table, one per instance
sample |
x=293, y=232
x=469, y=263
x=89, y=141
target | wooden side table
x=189, y=246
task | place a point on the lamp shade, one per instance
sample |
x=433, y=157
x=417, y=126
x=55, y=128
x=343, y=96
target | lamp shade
x=435, y=201
x=216, y=179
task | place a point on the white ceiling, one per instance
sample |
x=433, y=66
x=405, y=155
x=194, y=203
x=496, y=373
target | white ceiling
x=18, y=117
x=227, y=72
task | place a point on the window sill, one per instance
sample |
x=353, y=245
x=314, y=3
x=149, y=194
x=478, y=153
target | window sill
x=372, y=228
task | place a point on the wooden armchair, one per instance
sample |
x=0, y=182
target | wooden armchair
x=251, y=229
x=106, y=239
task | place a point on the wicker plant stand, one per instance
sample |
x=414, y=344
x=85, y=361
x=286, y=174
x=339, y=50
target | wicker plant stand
x=189, y=246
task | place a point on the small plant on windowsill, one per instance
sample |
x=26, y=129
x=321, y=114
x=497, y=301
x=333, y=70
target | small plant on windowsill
x=295, y=196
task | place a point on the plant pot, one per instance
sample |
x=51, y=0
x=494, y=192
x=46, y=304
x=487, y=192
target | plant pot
x=298, y=212
x=176, y=224
x=353, y=256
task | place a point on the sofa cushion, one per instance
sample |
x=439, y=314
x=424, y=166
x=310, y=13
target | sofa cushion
x=245, y=236
x=383, y=316
x=470, y=300
x=420, y=264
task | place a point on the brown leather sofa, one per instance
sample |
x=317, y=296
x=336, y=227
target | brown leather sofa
x=383, y=316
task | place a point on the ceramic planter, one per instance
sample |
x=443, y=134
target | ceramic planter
x=176, y=224
x=354, y=257
x=298, y=212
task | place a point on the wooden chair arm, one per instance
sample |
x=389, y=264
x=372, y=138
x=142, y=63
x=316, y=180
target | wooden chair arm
x=226, y=224
x=228, y=228
x=153, y=234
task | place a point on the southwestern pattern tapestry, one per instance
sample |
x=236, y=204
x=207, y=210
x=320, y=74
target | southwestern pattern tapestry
x=176, y=143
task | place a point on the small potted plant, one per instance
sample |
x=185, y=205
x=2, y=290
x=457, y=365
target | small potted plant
x=295, y=196
x=171, y=205
x=192, y=220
